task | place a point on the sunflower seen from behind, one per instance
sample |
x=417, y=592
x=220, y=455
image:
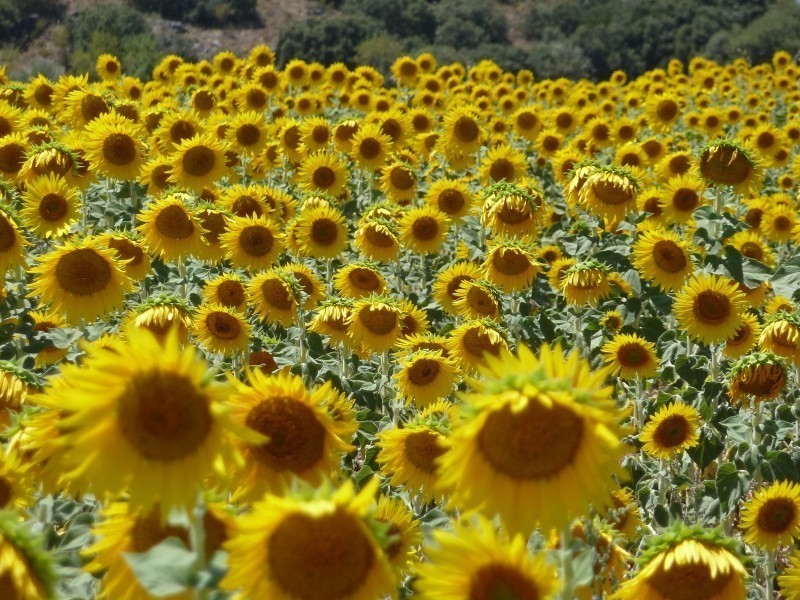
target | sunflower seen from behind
x=541, y=445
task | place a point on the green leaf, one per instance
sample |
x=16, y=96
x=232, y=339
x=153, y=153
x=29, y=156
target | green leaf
x=706, y=451
x=165, y=569
x=732, y=484
x=786, y=280
x=780, y=466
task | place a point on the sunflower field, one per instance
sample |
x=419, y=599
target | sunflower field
x=315, y=333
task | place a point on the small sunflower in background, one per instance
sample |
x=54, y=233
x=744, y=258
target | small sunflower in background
x=631, y=356
x=198, y=162
x=772, y=516
x=673, y=429
x=586, y=283
x=50, y=206
x=403, y=553
x=511, y=265
x=425, y=376
x=375, y=323
x=170, y=228
x=160, y=315
x=323, y=172
x=221, y=329
x=273, y=298
x=423, y=229
x=321, y=232
x=252, y=242
x=662, y=257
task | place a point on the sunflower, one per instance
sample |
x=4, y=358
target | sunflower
x=609, y=193
x=198, y=162
x=145, y=405
x=114, y=146
x=781, y=335
x=511, y=265
x=503, y=163
x=543, y=435
x=681, y=197
x=778, y=304
x=477, y=299
x=358, y=280
x=745, y=338
x=449, y=281
x=662, y=111
x=403, y=528
x=727, y=163
x=171, y=228
x=450, y=196
x=310, y=284
x=626, y=516
x=425, y=376
x=779, y=223
x=155, y=174
x=759, y=376
x=12, y=244
x=586, y=283
x=323, y=172
x=673, y=429
x=44, y=322
x=252, y=242
x=50, y=206
x=370, y=147
x=752, y=245
x=709, y=308
x=662, y=257
x=322, y=548
x=221, y=329
x=82, y=280
x=122, y=532
x=160, y=315
x=377, y=239
x=13, y=151
x=687, y=562
x=331, y=319
x=27, y=571
x=247, y=132
x=273, y=298
x=409, y=456
x=674, y=164
x=398, y=181
x=476, y=562
x=301, y=441
x=135, y=260
x=321, y=232
x=772, y=516
x=423, y=229
x=375, y=323
x=630, y=356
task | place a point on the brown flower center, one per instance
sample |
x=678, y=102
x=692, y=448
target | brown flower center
x=712, y=308
x=669, y=256
x=256, y=240
x=53, y=207
x=425, y=228
x=296, y=437
x=119, y=149
x=230, y=293
x=499, y=581
x=83, y=272
x=378, y=320
x=777, y=515
x=422, y=448
x=199, y=161
x=324, y=231
x=223, y=326
x=424, y=371
x=248, y=134
x=672, y=431
x=163, y=415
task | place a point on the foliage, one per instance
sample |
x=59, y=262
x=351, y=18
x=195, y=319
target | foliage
x=326, y=40
x=202, y=12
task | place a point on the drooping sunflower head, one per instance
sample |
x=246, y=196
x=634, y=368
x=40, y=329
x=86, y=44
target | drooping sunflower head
x=745, y=338
x=274, y=296
x=511, y=210
x=536, y=422
x=450, y=280
x=478, y=299
x=331, y=319
x=729, y=163
x=757, y=377
x=610, y=193
x=377, y=239
x=687, y=562
x=586, y=283
x=160, y=315
x=511, y=264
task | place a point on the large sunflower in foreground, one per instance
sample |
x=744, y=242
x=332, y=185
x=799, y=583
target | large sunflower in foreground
x=543, y=443
x=301, y=440
x=709, y=308
x=324, y=548
x=772, y=516
x=142, y=416
x=82, y=280
x=687, y=563
x=477, y=563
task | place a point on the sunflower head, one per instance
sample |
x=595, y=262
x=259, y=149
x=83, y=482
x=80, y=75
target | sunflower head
x=729, y=163
x=757, y=377
x=27, y=571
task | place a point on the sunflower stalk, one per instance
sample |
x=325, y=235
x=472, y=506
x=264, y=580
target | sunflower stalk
x=769, y=574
